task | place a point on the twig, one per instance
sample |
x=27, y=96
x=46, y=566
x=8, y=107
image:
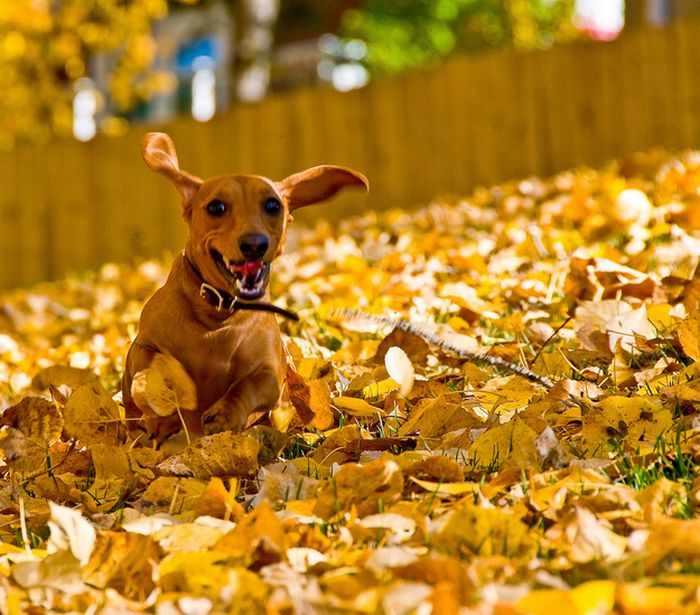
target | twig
x=550, y=338
x=404, y=325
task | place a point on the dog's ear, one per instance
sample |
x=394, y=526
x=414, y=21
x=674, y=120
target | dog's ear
x=158, y=152
x=318, y=184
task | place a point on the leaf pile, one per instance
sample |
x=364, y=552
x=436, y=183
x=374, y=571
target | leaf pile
x=395, y=477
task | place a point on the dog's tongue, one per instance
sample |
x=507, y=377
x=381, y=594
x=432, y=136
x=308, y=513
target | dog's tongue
x=249, y=267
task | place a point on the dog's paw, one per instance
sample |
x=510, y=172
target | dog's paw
x=222, y=416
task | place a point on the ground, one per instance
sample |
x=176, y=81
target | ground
x=397, y=476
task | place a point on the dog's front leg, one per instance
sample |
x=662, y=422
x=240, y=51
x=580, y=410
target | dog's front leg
x=142, y=417
x=259, y=390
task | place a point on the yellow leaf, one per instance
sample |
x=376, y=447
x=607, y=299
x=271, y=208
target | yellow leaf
x=172, y=495
x=370, y=488
x=583, y=537
x=199, y=572
x=643, y=599
x=486, y=532
x=594, y=597
x=310, y=368
x=689, y=335
x=164, y=387
x=434, y=417
x=221, y=454
x=21, y=453
x=258, y=534
x=217, y=501
x=91, y=416
x=380, y=389
x=57, y=375
x=513, y=441
x=357, y=407
x=506, y=394
x=446, y=488
x=625, y=419
x=547, y=601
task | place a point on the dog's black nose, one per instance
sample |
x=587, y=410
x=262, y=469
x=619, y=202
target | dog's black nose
x=253, y=245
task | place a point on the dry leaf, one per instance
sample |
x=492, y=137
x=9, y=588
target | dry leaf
x=369, y=488
x=70, y=531
x=585, y=538
x=21, y=453
x=123, y=561
x=37, y=418
x=416, y=348
x=400, y=369
x=259, y=537
x=628, y=420
x=164, y=387
x=221, y=454
x=172, y=495
x=357, y=407
x=311, y=399
x=689, y=335
x=91, y=416
x=57, y=375
x=482, y=531
x=217, y=501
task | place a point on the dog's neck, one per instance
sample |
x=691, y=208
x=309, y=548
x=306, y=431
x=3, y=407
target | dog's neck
x=223, y=302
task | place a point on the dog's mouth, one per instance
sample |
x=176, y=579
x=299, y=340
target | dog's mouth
x=248, y=279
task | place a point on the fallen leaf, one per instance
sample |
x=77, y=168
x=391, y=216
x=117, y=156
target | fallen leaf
x=689, y=335
x=123, y=561
x=259, y=538
x=37, y=418
x=57, y=375
x=624, y=419
x=472, y=530
x=446, y=488
x=70, y=531
x=164, y=387
x=172, y=495
x=400, y=369
x=585, y=538
x=91, y=416
x=21, y=453
x=221, y=454
x=368, y=487
x=357, y=407
x=415, y=347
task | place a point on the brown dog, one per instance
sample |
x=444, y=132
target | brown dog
x=213, y=314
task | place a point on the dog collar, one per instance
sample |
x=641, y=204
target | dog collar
x=221, y=300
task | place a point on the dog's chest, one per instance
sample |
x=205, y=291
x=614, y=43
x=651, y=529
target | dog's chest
x=213, y=359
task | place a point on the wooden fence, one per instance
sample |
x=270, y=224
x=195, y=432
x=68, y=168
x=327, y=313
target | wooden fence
x=472, y=121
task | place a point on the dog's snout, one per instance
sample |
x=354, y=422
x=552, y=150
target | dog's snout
x=253, y=245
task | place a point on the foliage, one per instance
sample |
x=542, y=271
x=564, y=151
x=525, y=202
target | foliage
x=45, y=47
x=394, y=476
x=409, y=33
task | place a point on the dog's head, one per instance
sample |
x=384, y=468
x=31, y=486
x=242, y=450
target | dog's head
x=238, y=222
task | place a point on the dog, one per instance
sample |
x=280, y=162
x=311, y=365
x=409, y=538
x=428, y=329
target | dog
x=213, y=313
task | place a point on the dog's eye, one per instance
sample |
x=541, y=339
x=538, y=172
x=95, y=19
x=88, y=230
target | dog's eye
x=272, y=206
x=216, y=208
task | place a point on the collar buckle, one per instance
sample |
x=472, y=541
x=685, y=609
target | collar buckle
x=220, y=300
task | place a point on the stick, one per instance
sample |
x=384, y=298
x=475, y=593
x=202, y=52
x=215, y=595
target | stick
x=404, y=325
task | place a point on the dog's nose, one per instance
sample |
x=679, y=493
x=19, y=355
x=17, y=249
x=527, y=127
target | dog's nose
x=253, y=245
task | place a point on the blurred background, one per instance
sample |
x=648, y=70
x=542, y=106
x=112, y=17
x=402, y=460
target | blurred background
x=426, y=97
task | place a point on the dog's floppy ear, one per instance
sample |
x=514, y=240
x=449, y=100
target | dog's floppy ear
x=158, y=152
x=318, y=184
